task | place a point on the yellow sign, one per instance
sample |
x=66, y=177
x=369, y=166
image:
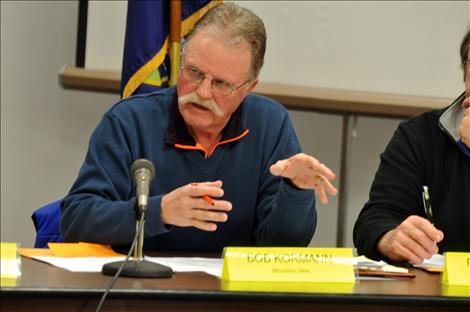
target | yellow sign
x=288, y=264
x=455, y=291
x=289, y=287
x=9, y=264
x=456, y=268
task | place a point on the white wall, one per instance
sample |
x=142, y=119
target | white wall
x=44, y=129
x=405, y=47
x=400, y=47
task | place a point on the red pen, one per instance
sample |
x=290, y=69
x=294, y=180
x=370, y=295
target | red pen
x=208, y=199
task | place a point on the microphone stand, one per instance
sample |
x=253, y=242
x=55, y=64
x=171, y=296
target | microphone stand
x=138, y=267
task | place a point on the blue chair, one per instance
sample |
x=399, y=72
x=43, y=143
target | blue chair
x=47, y=223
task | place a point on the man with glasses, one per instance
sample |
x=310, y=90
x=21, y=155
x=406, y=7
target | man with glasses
x=401, y=222
x=229, y=168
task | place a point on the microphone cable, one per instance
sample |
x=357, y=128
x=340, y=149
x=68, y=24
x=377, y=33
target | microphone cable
x=131, y=250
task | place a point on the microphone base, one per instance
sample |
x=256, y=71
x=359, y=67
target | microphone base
x=138, y=269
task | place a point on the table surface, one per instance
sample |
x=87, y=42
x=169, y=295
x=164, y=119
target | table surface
x=44, y=280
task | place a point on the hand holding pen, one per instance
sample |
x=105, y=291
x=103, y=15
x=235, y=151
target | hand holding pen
x=415, y=238
x=196, y=204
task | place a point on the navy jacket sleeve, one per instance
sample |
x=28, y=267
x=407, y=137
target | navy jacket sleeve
x=286, y=214
x=100, y=205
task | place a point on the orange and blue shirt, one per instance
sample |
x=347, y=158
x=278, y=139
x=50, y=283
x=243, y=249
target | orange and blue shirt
x=267, y=210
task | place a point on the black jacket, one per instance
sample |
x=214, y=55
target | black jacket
x=422, y=151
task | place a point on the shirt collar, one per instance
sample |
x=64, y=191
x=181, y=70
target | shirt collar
x=177, y=132
x=450, y=120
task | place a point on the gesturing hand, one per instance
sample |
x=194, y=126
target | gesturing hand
x=186, y=206
x=306, y=172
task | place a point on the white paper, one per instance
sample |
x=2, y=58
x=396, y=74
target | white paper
x=178, y=264
x=212, y=266
x=436, y=261
x=79, y=264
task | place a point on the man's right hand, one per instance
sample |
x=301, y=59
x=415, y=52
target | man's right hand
x=186, y=206
x=414, y=240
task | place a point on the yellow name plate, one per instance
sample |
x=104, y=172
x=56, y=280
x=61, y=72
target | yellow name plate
x=9, y=264
x=456, y=268
x=290, y=264
x=289, y=287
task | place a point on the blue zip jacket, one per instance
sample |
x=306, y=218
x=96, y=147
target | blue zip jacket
x=267, y=210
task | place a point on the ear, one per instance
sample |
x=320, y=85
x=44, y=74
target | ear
x=251, y=85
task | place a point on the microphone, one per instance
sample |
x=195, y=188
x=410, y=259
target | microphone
x=142, y=172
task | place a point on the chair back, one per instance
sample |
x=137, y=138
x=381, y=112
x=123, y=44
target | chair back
x=47, y=223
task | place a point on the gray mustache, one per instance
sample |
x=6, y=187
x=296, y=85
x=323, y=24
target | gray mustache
x=194, y=98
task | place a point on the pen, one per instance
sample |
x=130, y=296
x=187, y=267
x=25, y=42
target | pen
x=427, y=203
x=208, y=199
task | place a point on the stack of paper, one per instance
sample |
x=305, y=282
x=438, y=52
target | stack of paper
x=87, y=257
x=368, y=267
x=433, y=264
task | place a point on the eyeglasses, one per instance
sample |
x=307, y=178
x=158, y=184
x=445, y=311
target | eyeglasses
x=196, y=76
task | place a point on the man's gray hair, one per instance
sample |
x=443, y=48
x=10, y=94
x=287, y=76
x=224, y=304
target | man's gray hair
x=237, y=26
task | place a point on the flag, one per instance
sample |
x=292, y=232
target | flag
x=146, y=63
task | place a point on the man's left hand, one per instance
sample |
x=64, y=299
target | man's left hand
x=306, y=172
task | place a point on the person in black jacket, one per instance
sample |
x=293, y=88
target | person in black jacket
x=431, y=150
